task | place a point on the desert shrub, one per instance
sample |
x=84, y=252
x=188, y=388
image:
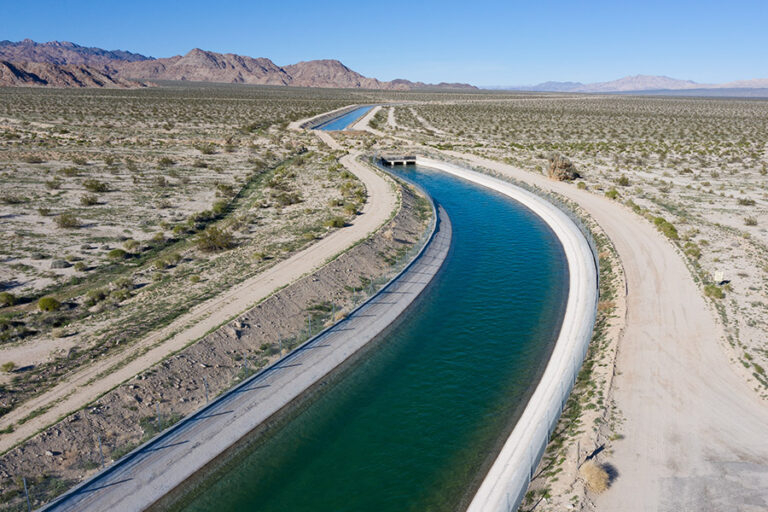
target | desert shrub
x=8, y=367
x=33, y=159
x=165, y=162
x=117, y=254
x=12, y=199
x=750, y=221
x=70, y=171
x=53, y=184
x=596, y=478
x=747, y=202
x=623, y=181
x=351, y=209
x=89, y=199
x=7, y=299
x=286, y=198
x=612, y=194
x=206, y=149
x=666, y=227
x=692, y=250
x=581, y=185
x=336, y=222
x=130, y=245
x=79, y=160
x=67, y=221
x=48, y=304
x=81, y=266
x=95, y=186
x=95, y=296
x=214, y=239
x=43, y=211
x=194, y=278
x=219, y=207
x=714, y=291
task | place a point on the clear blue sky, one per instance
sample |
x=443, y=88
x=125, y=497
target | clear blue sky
x=486, y=43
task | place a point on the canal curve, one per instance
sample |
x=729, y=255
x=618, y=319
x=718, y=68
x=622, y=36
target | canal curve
x=417, y=423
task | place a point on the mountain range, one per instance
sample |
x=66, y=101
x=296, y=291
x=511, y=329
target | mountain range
x=638, y=83
x=21, y=61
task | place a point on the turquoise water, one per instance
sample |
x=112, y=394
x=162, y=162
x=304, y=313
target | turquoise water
x=415, y=423
x=342, y=122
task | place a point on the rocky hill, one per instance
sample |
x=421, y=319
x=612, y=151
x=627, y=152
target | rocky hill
x=65, y=53
x=46, y=74
x=201, y=66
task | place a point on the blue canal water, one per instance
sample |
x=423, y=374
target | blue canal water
x=415, y=424
x=342, y=122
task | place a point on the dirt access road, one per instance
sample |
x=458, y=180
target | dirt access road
x=695, y=433
x=86, y=385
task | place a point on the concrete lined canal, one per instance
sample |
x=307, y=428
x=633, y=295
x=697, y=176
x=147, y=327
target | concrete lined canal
x=415, y=424
x=341, y=122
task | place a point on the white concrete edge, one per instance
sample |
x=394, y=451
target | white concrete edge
x=509, y=476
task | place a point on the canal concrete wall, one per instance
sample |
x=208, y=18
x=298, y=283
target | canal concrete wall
x=165, y=463
x=509, y=476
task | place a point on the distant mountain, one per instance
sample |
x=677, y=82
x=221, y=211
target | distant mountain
x=55, y=75
x=552, y=87
x=204, y=66
x=64, y=53
x=639, y=83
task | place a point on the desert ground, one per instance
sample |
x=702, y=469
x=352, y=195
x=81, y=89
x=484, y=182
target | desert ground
x=111, y=212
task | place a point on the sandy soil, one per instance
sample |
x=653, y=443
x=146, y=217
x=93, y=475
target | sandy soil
x=694, y=433
x=86, y=385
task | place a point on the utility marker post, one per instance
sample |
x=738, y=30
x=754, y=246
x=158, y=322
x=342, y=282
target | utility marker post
x=26, y=493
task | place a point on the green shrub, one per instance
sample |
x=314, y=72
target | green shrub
x=714, y=291
x=67, y=221
x=747, y=202
x=219, y=207
x=750, y=221
x=666, y=227
x=581, y=185
x=612, y=194
x=81, y=266
x=214, y=239
x=48, y=304
x=95, y=296
x=165, y=162
x=95, y=186
x=89, y=199
x=623, y=181
x=8, y=367
x=7, y=299
x=130, y=245
x=336, y=222
x=117, y=254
